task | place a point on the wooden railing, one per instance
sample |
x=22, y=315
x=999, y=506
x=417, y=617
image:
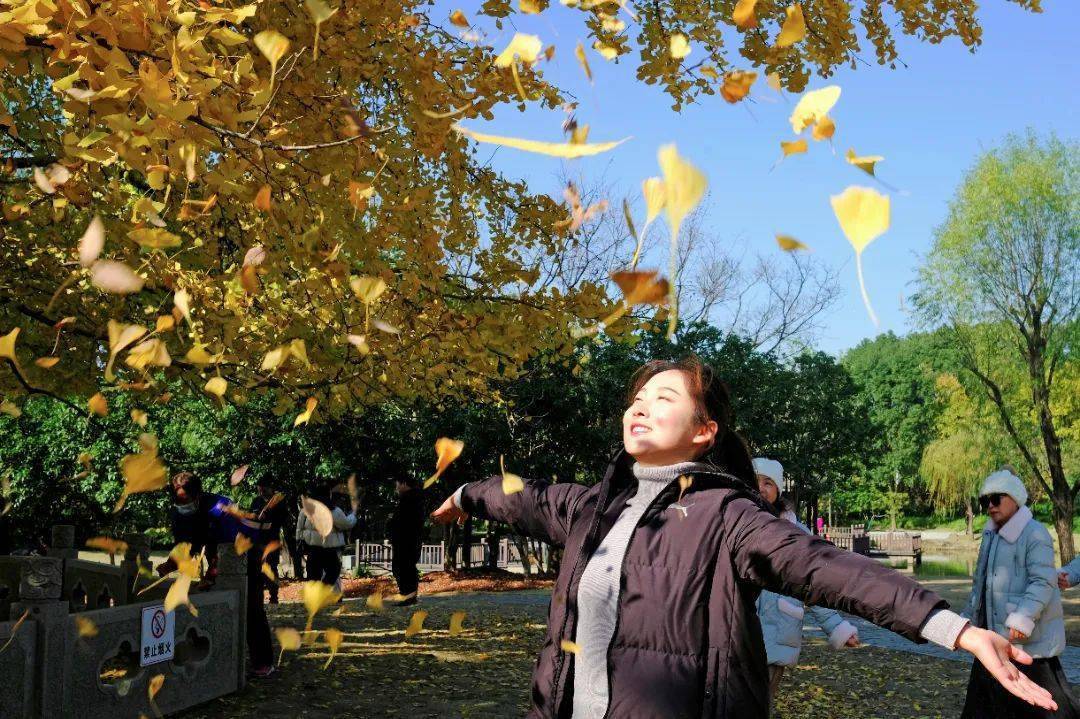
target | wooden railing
x=896, y=544
x=853, y=538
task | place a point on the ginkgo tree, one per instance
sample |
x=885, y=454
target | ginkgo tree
x=265, y=195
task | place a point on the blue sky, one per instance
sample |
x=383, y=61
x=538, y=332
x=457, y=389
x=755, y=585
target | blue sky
x=930, y=121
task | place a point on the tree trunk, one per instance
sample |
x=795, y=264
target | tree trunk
x=522, y=545
x=466, y=544
x=969, y=514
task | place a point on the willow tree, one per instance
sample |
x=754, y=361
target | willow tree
x=273, y=194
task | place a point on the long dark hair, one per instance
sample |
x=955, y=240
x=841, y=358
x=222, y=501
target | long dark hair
x=712, y=400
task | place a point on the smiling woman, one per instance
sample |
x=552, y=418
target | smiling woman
x=654, y=609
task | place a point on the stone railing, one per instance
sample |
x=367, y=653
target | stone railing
x=50, y=671
x=432, y=555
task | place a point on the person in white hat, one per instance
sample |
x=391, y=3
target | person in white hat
x=782, y=617
x=1015, y=594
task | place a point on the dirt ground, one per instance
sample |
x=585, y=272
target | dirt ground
x=484, y=671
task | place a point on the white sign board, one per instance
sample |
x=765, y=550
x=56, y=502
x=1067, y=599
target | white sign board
x=158, y=630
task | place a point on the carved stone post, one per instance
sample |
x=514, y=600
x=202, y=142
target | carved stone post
x=40, y=588
x=233, y=574
x=63, y=542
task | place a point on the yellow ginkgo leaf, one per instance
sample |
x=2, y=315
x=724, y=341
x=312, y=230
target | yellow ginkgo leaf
x=743, y=14
x=684, y=186
x=416, y=623
x=98, y=405
x=154, y=686
x=655, y=197
x=46, y=362
x=794, y=28
x=579, y=52
x=522, y=46
x=679, y=46
x=374, y=602
x=289, y=639
x=139, y=417
x=530, y=7
x=216, y=386
x=186, y=564
x=863, y=214
x=273, y=45
x=305, y=416
x=151, y=352
x=182, y=302
x=142, y=472
x=165, y=323
x=511, y=483
x=866, y=163
x=641, y=287
x=813, y=106
x=178, y=595
x=319, y=515
x=795, y=147
x=606, y=51
x=268, y=572
x=458, y=18
x=85, y=627
x=261, y=202
x=737, y=85
x=317, y=595
x=108, y=545
x=773, y=81
x=198, y=355
x=823, y=129
x=447, y=450
x=333, y=638
x=155, y=238
x=320, y=12
x=456, y=620
x=241, y=544
x=568, y=646
x=368, y=289
x=121, y=336
x=115, y=277
x=567, y=150
x=788, y=243
x=92, y=242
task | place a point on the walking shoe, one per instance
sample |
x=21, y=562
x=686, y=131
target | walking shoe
x=263, y=672
x=398, y=600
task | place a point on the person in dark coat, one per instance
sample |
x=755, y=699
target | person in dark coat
x=406, y=537
x=653, y=613
x=273, y=514
x=204, y=519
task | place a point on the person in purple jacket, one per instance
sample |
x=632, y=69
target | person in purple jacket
x=653, y=613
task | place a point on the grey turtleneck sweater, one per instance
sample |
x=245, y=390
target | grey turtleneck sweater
x=598, y=591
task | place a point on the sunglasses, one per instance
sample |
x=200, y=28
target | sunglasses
x=988, y=500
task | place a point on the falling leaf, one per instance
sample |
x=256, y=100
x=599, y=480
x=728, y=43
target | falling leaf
x=863, y=214
x=579, y=52
x=795, y=147
x=511, y=483
x=273, y=545
x=866, y=163
x=458, y=18
x=641, y=287
x=262, y=199
x=289, y=639
x=216, y=386
x=320, y=12
x=46, y=362
x=790, y=244
x=360, y=343
x=165, y=323
x=186, y=563
x=525, y=47
x=85, y=627
x=319, y=515
x=737, y=85
x=115, y=277
x=181, y=301
x=773, y=81
x=317, y=596
x=823, y=129
x=679, y=46
x=142, y=472
x=238, y=475
x=684, y=186
x=255, y=256
x=155, y=686
x=813, y=106
x=14, y=628
x=110, y=546
x=568, y=646
x=374, y=602
x=149, y=352
x=794, y=28
x=273, y=45
x=606, y=51
x=333, y=638
x=305, y=416
x=268, y=572
x=567, y=150
x=743, y=14
x=98, y=404
x=154, y=238
x=120, y=337
x=10, y=408
x=178, y=595
x=447, y=451
x=456, y=620
x=92, y=242
x=416, y=623
x=43, y=182
x=241, y=544
x=385, y=326
x=368, y=289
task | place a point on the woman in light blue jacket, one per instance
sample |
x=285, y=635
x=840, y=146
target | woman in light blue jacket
x=1015, y=593
x=782, y=617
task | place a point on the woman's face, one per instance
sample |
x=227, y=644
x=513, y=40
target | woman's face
x=768, y=489
x=1003, y=511
x=659, y=427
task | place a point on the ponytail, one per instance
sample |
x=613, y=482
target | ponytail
x=731, y=454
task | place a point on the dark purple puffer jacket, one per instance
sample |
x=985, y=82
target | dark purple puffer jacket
x=687, y=641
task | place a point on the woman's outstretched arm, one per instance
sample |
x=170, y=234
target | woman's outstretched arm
x=540, y=510
x=776, y=555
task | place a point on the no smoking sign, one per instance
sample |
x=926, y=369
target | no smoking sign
x=158, y=634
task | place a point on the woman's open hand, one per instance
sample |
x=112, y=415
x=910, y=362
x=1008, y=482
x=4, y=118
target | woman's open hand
x=997, y=655
x=448, y=512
